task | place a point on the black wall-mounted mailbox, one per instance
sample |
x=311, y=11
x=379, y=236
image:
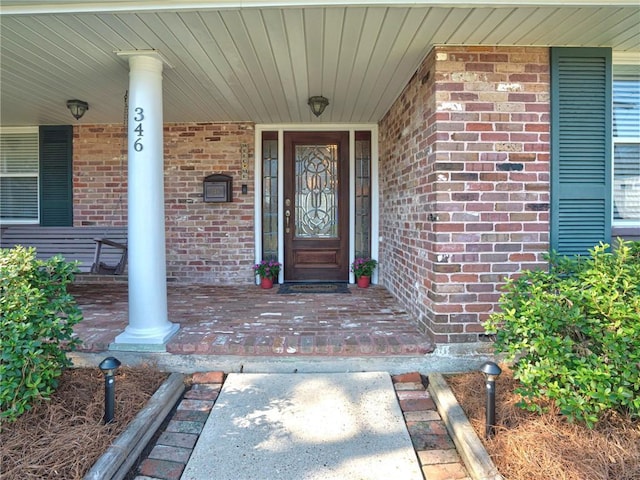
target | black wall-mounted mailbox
x=217, y=188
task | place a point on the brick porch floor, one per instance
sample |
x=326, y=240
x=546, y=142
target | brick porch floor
x=246, y=320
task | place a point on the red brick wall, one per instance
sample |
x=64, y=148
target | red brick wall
x=406, y=192
x=464, y=163
x=206, y=242
x=99, y=175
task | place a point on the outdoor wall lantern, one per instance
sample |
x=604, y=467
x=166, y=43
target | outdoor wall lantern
x=77, y=108
x=109, y=366
x=491, y=373
x=318, y=104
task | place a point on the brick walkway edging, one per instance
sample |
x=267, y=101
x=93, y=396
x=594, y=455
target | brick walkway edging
x=174, y=446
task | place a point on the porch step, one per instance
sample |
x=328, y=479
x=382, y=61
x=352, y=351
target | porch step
x=333, y=345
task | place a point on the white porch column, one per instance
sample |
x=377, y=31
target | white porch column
x=148, y=323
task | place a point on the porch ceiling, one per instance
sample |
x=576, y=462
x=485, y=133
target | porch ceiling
x=260, y=63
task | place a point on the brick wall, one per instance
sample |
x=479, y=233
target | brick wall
x=464, y=163
x=99, y=175
x=206, y=242
x=406, y=193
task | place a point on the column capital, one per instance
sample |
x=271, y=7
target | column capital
x=145, y=58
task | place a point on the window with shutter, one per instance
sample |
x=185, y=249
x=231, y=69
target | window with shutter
x=19, y=170
x=36, y=171
x=581, y=123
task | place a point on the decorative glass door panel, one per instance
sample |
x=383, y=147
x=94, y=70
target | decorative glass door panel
x=316, y=196
x=316, y=205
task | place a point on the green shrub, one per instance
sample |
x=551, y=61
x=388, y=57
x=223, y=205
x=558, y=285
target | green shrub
x=37, y=316
x=573, y=333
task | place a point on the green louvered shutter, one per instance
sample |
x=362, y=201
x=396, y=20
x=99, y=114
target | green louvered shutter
x=56, y=176
x=580, y=148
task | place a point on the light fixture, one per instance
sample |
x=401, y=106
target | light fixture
x=108, y=367
x=77, y=108
x=318, y=104
x=491, y=372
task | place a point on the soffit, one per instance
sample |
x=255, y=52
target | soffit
x=261, y=64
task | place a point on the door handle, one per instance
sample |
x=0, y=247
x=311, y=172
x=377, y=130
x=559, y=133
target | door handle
x=287, y=216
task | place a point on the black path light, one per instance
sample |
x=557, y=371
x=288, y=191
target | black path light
x=491, y=373
x=109, y=366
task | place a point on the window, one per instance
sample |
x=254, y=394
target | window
x=363, y=194
x=36, y=175
x=270, y=195
x=595, y=148
x=19, y=172
x=626, y=145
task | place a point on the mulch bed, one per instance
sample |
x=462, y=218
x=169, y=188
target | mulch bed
x=63, y=437
x=531, y=447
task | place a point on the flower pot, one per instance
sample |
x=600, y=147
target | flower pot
x=363, y=282
x=266, y=282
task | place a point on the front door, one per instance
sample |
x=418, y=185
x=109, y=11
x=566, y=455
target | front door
x=316, y=206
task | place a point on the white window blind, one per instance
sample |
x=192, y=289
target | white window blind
x=19, y=167
x=626, y=145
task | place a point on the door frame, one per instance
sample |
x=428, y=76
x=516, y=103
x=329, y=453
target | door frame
x=375, y=210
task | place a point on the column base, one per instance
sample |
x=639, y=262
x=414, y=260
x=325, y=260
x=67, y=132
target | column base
x=145, y=340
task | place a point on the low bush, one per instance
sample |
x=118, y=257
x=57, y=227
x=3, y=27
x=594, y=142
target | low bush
x=573, y=333
x=37, y=316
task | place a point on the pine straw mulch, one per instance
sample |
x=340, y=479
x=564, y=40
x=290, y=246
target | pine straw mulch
x=63, y=437
x=531, y=447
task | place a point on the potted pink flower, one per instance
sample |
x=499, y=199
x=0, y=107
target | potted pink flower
x=268, y=271
x=362, y=268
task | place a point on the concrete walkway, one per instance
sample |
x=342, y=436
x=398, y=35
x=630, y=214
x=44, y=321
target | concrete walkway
x=337, y=426
x=365, y=426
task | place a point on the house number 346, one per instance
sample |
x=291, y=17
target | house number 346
x=139, y=117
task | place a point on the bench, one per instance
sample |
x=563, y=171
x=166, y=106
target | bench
x=98, y=249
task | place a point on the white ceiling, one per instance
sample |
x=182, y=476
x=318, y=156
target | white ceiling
x=260, y=63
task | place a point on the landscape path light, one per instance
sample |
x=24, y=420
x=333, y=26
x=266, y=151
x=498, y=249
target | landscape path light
x=491, y=372
x=109, y=366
